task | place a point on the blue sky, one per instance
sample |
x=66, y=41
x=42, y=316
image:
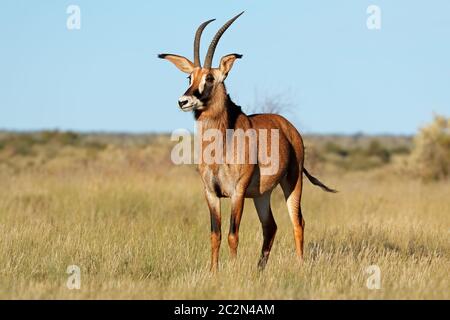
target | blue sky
x=341, y=77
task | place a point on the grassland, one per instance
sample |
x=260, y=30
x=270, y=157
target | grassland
x=138, y=227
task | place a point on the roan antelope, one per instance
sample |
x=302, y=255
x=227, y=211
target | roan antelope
x=207, y=98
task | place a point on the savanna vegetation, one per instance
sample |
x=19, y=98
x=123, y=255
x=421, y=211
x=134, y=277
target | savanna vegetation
x=138, y=226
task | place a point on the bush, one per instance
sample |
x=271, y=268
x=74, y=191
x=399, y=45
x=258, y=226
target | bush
x=60, y=138
x=332, y=147
x=401, y=150
x=375, y=149
x=358, y=158
x=21, y=144
x=430, y=158
x=313, y=158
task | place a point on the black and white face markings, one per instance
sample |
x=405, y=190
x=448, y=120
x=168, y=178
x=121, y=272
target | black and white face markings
x=199, y=91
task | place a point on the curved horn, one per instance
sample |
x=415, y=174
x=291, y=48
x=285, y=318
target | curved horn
x=215, y=41
x=198, y=36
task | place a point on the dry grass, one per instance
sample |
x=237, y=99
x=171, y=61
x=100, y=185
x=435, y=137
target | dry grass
x=143, y=232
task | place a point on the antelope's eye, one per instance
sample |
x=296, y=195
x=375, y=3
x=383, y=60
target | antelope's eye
x=209, y=78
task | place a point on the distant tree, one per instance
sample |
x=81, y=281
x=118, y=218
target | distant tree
x=273, y=103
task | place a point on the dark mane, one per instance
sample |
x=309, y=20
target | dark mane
x=233, y=112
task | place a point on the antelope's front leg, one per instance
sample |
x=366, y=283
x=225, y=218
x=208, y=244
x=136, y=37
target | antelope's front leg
x=216, y=230
x=237, y=206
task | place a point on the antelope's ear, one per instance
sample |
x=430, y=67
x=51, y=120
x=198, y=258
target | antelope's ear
x=182, y=63
x=226, y=63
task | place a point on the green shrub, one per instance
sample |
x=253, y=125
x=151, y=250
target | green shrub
x=68, y=138
x=358, y=157
x=375, y=149
x=60, y=138
x=21, y=144
x=402, y=150
x=332, y=147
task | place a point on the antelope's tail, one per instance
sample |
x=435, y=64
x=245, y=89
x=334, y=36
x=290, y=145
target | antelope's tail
x=316, y=182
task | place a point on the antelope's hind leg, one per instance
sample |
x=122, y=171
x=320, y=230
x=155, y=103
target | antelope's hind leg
x=269, y=227
x=292, y=189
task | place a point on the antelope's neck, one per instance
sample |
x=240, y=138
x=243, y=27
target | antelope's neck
x=220, y=113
